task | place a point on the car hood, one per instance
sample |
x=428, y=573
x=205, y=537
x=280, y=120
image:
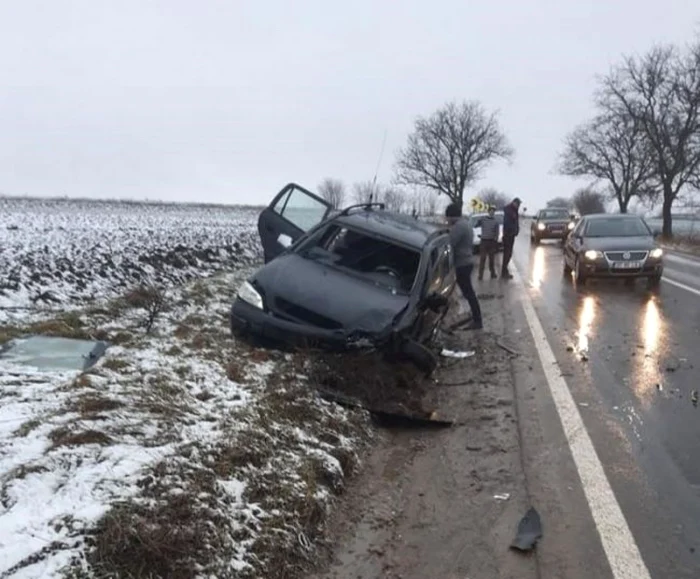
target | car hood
x=316, y=289
x=645, y=243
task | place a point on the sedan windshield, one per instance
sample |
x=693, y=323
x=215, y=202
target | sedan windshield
x=615, y=227
x=554, y=214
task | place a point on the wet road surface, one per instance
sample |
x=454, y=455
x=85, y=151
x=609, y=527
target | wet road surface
x=629, y=356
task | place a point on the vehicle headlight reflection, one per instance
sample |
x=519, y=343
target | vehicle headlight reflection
x=585, y=322
x=538, y=267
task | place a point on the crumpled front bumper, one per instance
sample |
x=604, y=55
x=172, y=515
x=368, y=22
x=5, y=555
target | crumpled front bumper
x=248, y=319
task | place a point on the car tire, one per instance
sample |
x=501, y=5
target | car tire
x=579, y=276
x=654, y=282
x=566, y=269
x=421, y=356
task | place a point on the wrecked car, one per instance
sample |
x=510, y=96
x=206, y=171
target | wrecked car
x=362, y=277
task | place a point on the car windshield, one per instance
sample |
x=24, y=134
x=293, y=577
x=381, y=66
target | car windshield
x=616, y=227
x=554, y=214
x=377, y=261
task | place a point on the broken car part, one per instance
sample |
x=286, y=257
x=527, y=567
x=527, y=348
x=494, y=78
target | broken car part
x=529, y=531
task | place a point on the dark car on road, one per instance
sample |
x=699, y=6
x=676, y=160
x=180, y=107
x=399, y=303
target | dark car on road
x=615, y=246
x=553, y=223
x=361, y=277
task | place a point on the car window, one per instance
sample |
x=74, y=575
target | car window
x=577, y=230
x=300, y=208
x=442, y=257
x=616, y=227
x=554, y=214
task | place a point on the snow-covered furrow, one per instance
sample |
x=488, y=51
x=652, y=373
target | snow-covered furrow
x=55, y=254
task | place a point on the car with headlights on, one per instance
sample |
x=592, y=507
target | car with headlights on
x=613, y=246
x=552, y=223
x=362, y=277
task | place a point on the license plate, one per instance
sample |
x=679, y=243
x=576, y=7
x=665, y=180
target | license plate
x=627, y=265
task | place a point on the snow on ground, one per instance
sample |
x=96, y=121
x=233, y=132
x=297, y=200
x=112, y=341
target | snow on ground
x=183, y=452
x=59, y=253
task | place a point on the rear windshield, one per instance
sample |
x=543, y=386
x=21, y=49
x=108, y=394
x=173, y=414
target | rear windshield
x=377, y=261
x=554, y=214
x=615, y=227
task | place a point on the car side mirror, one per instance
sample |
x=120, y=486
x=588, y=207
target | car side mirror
x=435, y=302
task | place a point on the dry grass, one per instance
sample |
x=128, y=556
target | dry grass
x=115, y=364
x=27, y=427
x=91, y=404
x=63, y=436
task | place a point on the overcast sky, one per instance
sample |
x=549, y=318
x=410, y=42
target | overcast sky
x=226, y=101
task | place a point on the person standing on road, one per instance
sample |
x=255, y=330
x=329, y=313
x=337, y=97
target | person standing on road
x=511, y=228
x=462, y=241
x=489, y=243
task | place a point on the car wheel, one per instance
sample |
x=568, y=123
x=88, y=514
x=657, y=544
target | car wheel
x=567, y=268
x=579, y=276
x=654, y=282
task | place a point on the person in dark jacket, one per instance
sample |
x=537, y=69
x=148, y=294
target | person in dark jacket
x=511, y=228
x=489, y=243
x=462, y=241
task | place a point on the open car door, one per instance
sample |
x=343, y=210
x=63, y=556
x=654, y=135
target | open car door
x=292, y=212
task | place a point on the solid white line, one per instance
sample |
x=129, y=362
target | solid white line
x=681, y=285
x=618, y=543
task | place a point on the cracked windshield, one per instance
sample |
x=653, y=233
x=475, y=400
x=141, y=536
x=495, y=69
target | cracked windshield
x=317, y=290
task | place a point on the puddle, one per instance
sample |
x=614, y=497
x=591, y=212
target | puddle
x=48, y=354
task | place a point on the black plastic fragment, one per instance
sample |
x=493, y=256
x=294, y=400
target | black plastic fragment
x=529, y=531
x=397, y=420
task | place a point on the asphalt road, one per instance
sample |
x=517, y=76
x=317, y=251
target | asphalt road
x=628, y=356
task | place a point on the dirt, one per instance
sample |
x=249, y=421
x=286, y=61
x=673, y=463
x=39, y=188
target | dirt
x=425, y=504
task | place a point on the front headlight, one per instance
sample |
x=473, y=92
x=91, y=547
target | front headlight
x=657, y=253
x=571, y=225
x=592, y=255
x=540, y=226
x=250, y=295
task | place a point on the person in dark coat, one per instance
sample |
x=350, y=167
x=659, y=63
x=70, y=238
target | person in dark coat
x=462, y=241
x=511, y=228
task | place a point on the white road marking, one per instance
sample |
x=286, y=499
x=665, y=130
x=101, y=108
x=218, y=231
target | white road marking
x=681, y=285
x=618, y=543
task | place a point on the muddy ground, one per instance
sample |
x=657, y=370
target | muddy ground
x=425, y=504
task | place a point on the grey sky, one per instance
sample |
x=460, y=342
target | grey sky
x=227, y=101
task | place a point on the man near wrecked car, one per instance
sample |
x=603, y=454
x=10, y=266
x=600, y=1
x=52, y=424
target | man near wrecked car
x=511, y=228
x=489, y=242
x=462, y=241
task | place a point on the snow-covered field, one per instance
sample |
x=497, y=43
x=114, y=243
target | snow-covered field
x=184, y=452
x=56, y=253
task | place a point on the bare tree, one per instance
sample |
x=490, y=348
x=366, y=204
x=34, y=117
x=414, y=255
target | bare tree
x=450, y=149
x=611, y=147
x=333, y=191
x=492, y=196
x=588, y=201
x=364, y=191
x=661, y=91
x=565, y=202
x=394, y=199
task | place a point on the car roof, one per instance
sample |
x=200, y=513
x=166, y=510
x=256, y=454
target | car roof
x=405, y=229
x=485, y=213
x=596, y=216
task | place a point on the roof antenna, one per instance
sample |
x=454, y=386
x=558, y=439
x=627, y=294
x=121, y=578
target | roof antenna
x=376, y=171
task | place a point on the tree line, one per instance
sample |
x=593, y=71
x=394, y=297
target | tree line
x=644, y=139
x=642, y=142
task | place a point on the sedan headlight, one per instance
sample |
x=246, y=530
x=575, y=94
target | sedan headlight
x=250, y=295
x=657, y=253
x=571, y=225
x=592, y=255
x=541, y=226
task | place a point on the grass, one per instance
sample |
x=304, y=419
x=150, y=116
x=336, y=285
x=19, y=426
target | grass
x=63, y=436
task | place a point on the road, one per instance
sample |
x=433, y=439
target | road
x=628, y=358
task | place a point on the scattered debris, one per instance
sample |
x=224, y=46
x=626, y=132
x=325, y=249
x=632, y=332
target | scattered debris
x=659, y=387
x=569, y=348
x=529, y=531
x=694, y=398
x=584, y=404
x=52, y=354
x=454, y=354
x=502, y=497
x=502, y=346
x=584, y=357
x=397, y=420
